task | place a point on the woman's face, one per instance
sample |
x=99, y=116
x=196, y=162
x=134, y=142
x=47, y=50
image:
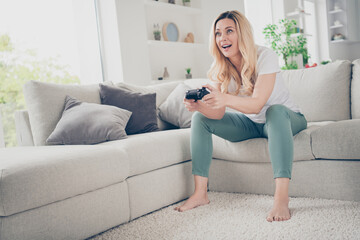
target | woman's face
x=226, y=37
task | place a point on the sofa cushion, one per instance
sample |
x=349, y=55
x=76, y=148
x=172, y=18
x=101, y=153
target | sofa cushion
x=173, y=109
x=31, y=177
x=256, y=150
x=339, y=140
x=141, y=105
x=162, y=90
x=323, y=92
x=355, y=90
x=89, y=123
x=150, y=151
x=45, y=103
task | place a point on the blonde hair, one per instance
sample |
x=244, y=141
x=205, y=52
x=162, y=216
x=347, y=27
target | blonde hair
x=222, y=69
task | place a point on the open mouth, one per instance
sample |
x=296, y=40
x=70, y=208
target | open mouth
x=226, y=46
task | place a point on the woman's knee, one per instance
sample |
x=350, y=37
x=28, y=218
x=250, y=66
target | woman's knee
x=276, y=111
x=197, y=117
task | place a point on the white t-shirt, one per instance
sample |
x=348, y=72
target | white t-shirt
x=267, y=62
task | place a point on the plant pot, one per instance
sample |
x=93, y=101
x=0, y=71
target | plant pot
x=188, y=76
x=157, y=37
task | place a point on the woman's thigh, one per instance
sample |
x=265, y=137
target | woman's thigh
x=233, y=127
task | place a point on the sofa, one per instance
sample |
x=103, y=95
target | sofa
x=77, y=191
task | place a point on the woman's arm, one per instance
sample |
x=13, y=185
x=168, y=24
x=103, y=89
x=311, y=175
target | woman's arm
x=262, y=90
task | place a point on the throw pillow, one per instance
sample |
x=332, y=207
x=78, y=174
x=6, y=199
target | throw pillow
x=142, y=106
x=173, y=109
x=89, y=123
x=45, y=104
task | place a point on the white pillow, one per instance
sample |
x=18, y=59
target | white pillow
x=173, y=109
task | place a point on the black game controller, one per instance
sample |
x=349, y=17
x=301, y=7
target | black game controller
x=196, y=94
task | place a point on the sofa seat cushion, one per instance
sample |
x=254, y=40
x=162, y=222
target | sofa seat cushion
x=155, y=150
x=256, y=150
x=31, y=177
x=339, y=140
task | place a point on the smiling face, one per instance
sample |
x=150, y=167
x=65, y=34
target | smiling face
x=226, y=38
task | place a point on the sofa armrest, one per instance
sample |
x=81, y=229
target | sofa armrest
x=23, y=129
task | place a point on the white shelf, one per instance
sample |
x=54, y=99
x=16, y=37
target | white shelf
x=336, y=26
x=335, y=11
x=167, y=81
x=173, y=7
x=297, y=14
x=298, y=34
x=175, y=44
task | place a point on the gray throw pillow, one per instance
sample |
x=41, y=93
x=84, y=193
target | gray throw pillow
x=173, y=109
x=89, y=123
x=142, y=106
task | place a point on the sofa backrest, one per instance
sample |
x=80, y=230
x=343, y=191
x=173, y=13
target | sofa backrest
x=323, y=92
x=355, y=90
x=45, y=103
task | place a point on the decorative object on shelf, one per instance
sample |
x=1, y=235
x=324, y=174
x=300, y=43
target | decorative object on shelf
x=160, y=78
x=157, y=32
x=166, y=74
x=187, y=3
x=338, y=36
x=189, y=38
x=337, y=23
x=172, y=1
x=188, y=74
x=280, y=40
x=336, y=6
x=170, y=32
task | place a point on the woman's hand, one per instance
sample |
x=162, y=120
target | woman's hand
x=215, y=99
x=191, y=105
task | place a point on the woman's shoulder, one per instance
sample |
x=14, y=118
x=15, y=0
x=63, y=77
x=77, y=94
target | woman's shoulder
x=267, y=60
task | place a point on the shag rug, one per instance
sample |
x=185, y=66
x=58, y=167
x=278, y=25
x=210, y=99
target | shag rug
x=243, y=216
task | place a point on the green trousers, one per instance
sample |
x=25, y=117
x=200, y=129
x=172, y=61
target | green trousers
x=280, y=127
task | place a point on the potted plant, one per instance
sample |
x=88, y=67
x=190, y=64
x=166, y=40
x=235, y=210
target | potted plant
x=286, y=46
x=157, y=32
x=187, y=3
x=188, y=74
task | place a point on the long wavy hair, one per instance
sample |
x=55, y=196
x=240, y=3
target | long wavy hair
x=222, y=70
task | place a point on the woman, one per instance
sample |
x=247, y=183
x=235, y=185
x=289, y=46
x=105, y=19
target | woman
x=246, y=80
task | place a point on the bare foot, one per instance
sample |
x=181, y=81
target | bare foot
x=280, y=211
x=194, y=201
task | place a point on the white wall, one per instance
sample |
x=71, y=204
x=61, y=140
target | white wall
x=88, y=45
x=110, y=41
x=253, y=11
x=133, y=41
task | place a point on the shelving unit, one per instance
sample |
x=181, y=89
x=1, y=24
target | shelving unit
x=343, y=19
x=299, y=16
x=176, y=56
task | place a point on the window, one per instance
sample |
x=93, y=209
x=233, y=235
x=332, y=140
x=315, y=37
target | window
x=46, y=41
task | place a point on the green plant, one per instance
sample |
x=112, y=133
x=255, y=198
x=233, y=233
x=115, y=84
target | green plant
x=188, y=70
x=280, y=39
x=16, y=68
x=325, y=62
x=184, y=1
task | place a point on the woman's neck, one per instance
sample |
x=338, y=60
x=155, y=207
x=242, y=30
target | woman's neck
x=236, y=61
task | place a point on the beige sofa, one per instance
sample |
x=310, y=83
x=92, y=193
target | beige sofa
x=74, y=192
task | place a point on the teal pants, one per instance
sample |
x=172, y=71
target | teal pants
x=280, y=127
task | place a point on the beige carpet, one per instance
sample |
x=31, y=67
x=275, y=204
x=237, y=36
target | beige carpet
x=242, y=216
